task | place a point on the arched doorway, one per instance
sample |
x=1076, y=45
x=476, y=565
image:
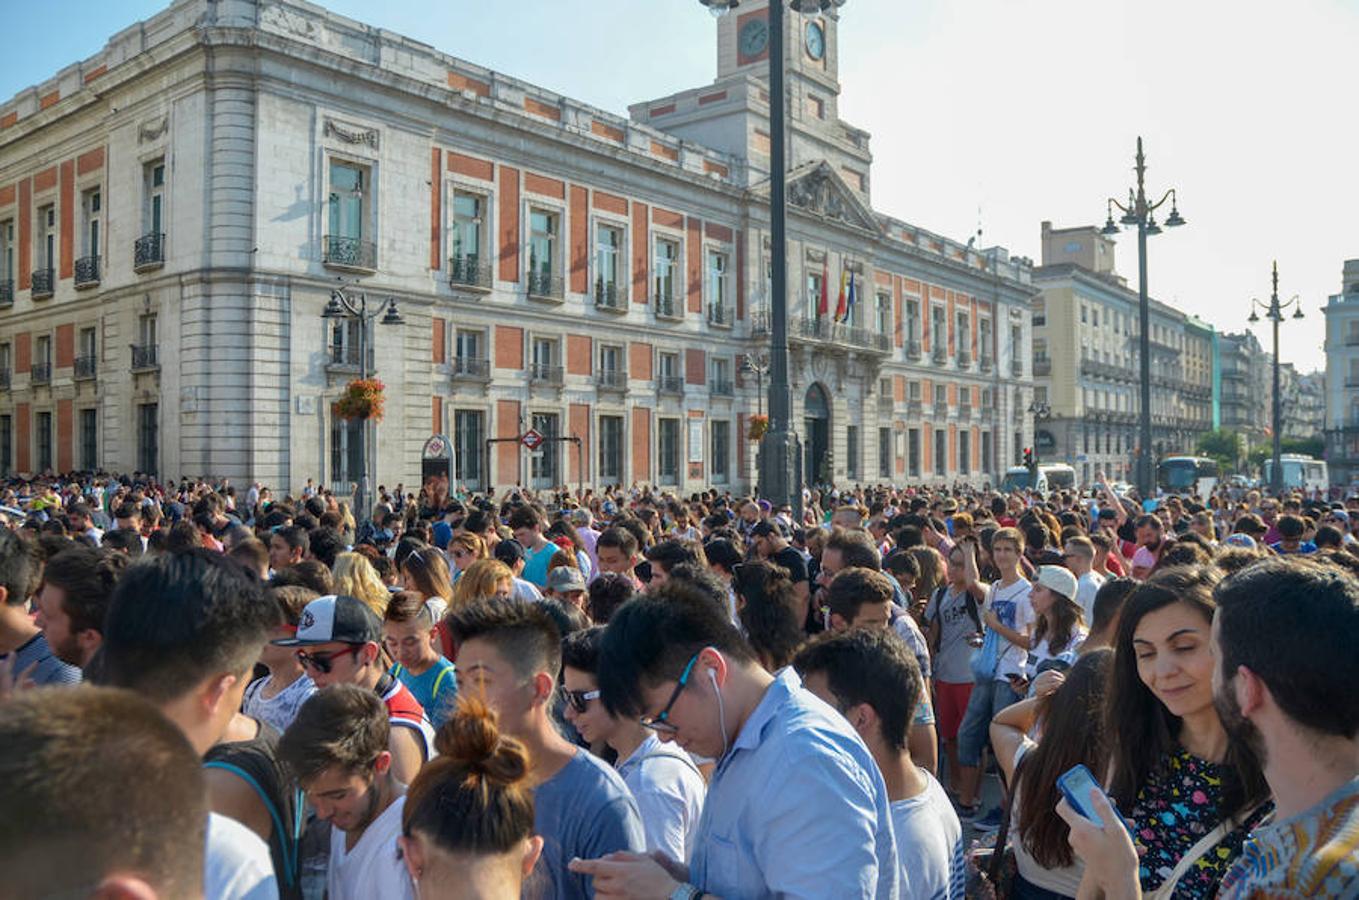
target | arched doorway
x=816, y=467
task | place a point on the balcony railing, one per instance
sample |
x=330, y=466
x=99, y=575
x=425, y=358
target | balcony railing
x=1352, y=340
x=915, y=409
x=670, y=384
x=965, y=412
x=964, y=358
x=984, y=363
x=546, y=286
x=940, y=410
x=545, y=373
x=822, y=329
x=471, y=367
x=988, y=415
x=609, y=296
x=759, y=323
x=722, y=387
x=87, y=271
x=44, y=283
x=469, y=271
x=666, y=307
x=6, y=294
x=40, y=373
x=611, y=379
x=886, y=402
x=1042, y=365
x=720, y=314
x=145, y=357
x=85, y=367
x=939, y=353
x=148, y=252
x=1017, y=368
x=913, y=350
x=348, y=252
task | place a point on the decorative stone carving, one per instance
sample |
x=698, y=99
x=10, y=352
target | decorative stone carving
x=816, y=192
x=368, y=136
x=289, y=21
x=150, y=131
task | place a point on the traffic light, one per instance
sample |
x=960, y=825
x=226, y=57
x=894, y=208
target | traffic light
x=1028, y=456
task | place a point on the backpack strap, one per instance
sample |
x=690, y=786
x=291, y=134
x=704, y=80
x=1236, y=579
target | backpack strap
x=288, y=840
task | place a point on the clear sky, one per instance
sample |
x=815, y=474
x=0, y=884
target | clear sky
x=1003, y=112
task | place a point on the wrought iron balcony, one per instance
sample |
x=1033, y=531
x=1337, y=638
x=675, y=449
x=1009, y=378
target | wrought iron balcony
x=148, y=252
x=670, y=384
x=85, y=367
x=824, y=330
x=546, y=286
x=913, y=350
x=985, y=363
x=469, y=271
x=667, y=308
x=44, y=283
x=1042, y=365
x=40, y=373
x=87, y=271
x=988, y=415
x=940, y=353
x=6, y=294
x=886, y=402
x=611, y=379
x=471, y=368
x=608, y=295
x=914, y=409
x=348, y=253
x=759, y=322
x=964, y=358
x=545, y=374
x=965, y=412
x=720, y=314
x=940, y=410
x=1017, y=368
x=722, y=387
x=145, y=357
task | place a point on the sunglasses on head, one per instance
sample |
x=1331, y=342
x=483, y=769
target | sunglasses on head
x=580, y=700
x=324, y=662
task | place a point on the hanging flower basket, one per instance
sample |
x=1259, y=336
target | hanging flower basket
x=362, y=399
x=758, y=426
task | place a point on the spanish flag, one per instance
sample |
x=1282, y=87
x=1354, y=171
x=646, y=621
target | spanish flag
x=840, y=303
x=823, y=303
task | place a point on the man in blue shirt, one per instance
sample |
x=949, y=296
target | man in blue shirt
x=796, y=807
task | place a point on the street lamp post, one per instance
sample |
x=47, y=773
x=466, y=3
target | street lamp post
x=1274, y=311
x=1142, y=213
x=757, y=366
x=1041, y=412
x=343, y=307
x=780, y=473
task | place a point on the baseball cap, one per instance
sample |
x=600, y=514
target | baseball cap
x=509, y=552
x=764, y=529
x=442, y=533
x=565, y=578
x=341, y=619
x=1250, y=524
x=1058, y=580
x=1241, y=540
x=581, y=516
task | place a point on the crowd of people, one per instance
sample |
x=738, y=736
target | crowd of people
x=222, y=693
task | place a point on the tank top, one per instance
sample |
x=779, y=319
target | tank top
x=404, y=711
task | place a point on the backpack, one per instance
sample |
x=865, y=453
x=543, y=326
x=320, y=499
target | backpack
x=971, y=606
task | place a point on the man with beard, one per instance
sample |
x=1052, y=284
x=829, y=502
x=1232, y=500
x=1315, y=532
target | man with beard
x=1283, y=641
x=73, y=600
x=337, y=748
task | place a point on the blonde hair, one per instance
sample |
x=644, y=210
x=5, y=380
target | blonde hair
x=480, y=580
x=472, y=543
x=355, y=576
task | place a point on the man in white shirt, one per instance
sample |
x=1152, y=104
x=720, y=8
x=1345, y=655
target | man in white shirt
x=1080, y=559
x=337, y=748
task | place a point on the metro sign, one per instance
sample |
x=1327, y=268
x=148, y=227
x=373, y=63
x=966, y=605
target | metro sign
x=532, y=439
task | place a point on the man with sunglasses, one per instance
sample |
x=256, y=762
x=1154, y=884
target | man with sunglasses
x=339, y=641
x=796, y=807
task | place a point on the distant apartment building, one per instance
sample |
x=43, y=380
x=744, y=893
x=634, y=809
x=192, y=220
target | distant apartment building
x=1342, y=378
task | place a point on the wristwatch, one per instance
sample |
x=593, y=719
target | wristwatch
x=685, y=892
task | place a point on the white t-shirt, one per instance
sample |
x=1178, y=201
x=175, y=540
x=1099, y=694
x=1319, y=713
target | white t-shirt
x=373, y=868
x=929, y=844
x=1013, y=607
x=1087, y=586
x=237, y=864
x=669, y=792
x=1043, y=651
x=280, y=709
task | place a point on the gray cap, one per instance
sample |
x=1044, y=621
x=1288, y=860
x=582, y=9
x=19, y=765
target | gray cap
x=565, y=578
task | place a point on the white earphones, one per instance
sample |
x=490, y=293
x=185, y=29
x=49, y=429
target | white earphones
x=721, y=712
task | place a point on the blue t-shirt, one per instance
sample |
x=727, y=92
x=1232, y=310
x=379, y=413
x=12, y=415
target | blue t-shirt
x=535, y=564
x=50, y=670
x=436, y=688
x=584, y=811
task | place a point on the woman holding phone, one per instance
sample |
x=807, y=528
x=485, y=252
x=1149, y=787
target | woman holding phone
x=1191, y=794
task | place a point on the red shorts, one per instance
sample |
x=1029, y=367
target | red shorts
x=950, y=702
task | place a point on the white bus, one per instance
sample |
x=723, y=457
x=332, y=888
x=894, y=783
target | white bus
x=1187, y=475
x=1300, y=472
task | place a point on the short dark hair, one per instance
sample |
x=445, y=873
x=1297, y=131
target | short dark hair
x=87, y=577
x=1109, y=600
x=125, y=540
x=343, y=725
x=1295, y=624
x=127, y=510
x=250, y=552
x=524, y=517
x=178, y=618
x=652, y=637
x=674, y=552
x=326, y=544
x=855, y=548
x=853, y=587
x=619, y=539
x=310, y=573
x=902, y=563
x=722, y=552
x=868, y=665
x=580, y=649
x=20, y=566
x=607, y=592
x=769, y=613
x=407, y=606
x=1290, y=527
x=295, y=536
x=84, y=769
x=524, y=633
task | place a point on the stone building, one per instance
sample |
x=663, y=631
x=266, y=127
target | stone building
x=176, y=210
x=1342, y=378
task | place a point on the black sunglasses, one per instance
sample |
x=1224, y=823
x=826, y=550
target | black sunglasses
x=580, y=700
x=324, y=662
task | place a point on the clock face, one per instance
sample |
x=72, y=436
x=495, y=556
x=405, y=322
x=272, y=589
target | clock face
x=816, y=40
x=754, y=37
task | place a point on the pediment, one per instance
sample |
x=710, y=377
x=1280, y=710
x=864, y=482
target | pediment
x=817, y=189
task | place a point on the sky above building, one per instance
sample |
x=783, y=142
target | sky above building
x=990, y=114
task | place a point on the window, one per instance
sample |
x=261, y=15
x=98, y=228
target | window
x=469, y=428
x=7, y=258
x=721, y=374
x=719, y=435
x=666, y=266
x=543, y=471
x=89, y=440
x=608, y=248
x=668, y=450
x=913, y=452
x=1084, y=315
x=964, y=451
x=543, y=358
x=940, y=395
x=1094, y=318
x=610, y=449
x=962, y=336
x=815, y=280
x=42, y=351
x=1040, y=312
x=938, y=328
x=4, y=360
x=543, y=231
x=153, y=213
x=884, y=453
x=852, y=452
x=91, y=208
x=883, y=318
x=1016, y=342
x=913, y=391
x=885, y=390
x=940, y=452
x=467, y=346
x=912, y=320
x=346, y=450
x=345, y=204
x=816, y=106
x=468, y=230
x=610, y=358
x=43, y=440
x=344, y=342
x=720, y=310
x=667, y=365
x=47, y=237
x=6, y=445
x=986, y=452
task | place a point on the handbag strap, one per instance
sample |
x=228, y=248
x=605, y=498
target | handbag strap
x=1003, y=833
x=1192, y=855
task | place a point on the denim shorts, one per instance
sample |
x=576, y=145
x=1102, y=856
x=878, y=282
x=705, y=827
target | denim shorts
x=988, y=698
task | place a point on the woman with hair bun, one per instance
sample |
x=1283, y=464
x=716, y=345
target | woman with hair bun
x=467, y=827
